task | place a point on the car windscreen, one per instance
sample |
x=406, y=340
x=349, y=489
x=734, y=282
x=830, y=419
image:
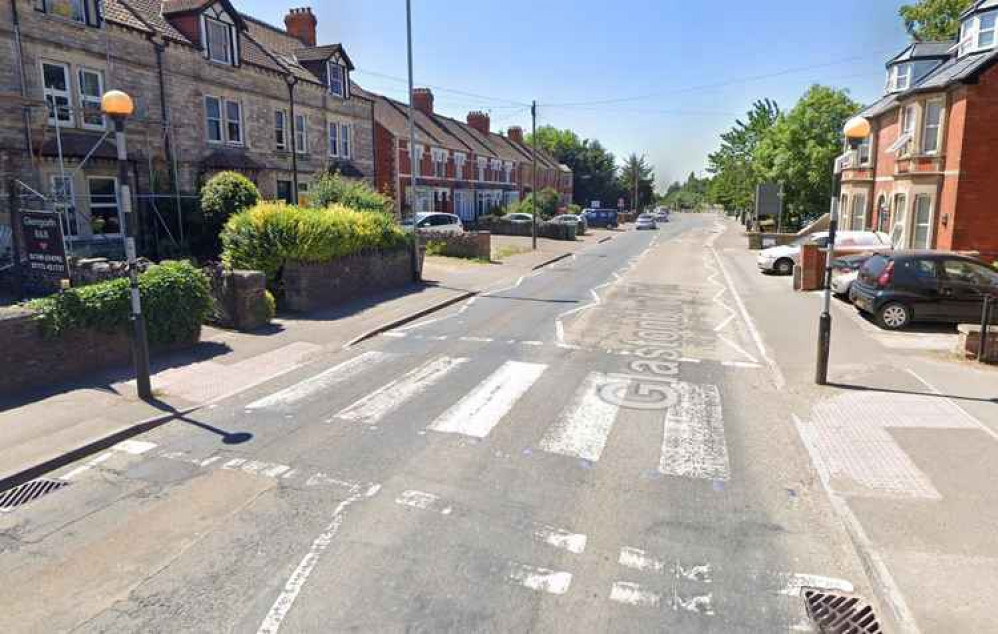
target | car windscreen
x=873, y=267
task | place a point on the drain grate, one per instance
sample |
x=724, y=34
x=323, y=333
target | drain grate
x=24, y=493
x=840, y=613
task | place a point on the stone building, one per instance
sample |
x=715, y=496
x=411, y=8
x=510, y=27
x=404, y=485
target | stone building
x=214, y=90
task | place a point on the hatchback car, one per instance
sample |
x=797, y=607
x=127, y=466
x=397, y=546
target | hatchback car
x=572, y=219
x=519, y=218
x=845, y=270
x=904, y=286
x=436, y=223
x=601, y=218
x=645, y=221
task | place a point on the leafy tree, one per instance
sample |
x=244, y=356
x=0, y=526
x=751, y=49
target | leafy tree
x=733, y=185
x=333, y=189
x=934, y=19
x=635, y=164
x=800, y=149
x=225, y=194
x=547, y=204
x=594, y=168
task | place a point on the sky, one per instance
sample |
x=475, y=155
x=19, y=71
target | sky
x=662, y=78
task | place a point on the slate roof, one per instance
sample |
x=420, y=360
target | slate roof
x=956, y=70
x=322, y=53
x=924, y=50
x=980, y=5
x=880, y=107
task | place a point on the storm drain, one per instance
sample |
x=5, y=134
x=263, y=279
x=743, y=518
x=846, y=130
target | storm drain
x=24, y=493
x=840, y=614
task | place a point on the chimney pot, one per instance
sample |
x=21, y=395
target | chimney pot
x=479, y=121
x=515, y=134
x=300, y=23
x=422, y=100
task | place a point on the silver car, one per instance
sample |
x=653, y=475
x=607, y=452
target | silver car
x=435, y=223
x=645, y=221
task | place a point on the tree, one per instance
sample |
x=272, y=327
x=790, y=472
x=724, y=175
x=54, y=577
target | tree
x=333, y=189
x=734, y=182
x=934, y=19
x=646, y=180
x=594, y=168
x=800, y=149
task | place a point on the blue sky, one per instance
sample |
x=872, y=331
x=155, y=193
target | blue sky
x=574, y=51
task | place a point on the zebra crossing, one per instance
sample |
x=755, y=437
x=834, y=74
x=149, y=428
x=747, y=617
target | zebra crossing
x=692, y=443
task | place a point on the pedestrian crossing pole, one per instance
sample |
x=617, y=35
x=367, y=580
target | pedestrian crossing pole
x=533, y=183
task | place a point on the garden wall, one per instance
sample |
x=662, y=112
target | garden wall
x=550, y=230
x=314, y=286
x=476, y=245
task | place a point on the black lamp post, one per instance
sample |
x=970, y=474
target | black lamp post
x=119, y=106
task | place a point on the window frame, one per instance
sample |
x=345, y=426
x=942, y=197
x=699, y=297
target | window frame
x=899, y=221
x=281, y=129
x=993, y=30
x=239, y=123
x=858, y=211
x=83, y=99
x=67, y=94
x=482, y=164
x=208, y=119
x=333, y=132
x=928, y=224
x=230, y=48
x=91, y=12
x=460, y=159
x=301, y=131
x=116, y=205
x=439, y=158
x=346, y=140
x=938, y=127
x=344, y=84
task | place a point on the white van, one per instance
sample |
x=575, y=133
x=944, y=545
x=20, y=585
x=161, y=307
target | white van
x=782, y=259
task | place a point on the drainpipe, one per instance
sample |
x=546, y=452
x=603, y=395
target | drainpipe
x=292, y=80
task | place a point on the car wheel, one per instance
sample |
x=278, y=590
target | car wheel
x=893, y=316
x=784, y=266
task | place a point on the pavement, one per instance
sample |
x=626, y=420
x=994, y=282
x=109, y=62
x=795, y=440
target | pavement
x=625, y=440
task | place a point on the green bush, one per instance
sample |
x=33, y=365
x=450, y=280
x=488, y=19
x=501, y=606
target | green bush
x=176, y=300
x=575, y=209
x=436, y=247
x=269, y=235
x=547, y=204
x=333, y=189
x=225, y=194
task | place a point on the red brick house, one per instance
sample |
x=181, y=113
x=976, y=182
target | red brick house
x=464, y=167
x=928, y=175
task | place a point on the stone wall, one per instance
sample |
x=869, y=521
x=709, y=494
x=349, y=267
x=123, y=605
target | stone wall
x=240, y=298
x=314, y=286
x=473, y=244
x=550, y=230
x=969, y=342
x=30, y=359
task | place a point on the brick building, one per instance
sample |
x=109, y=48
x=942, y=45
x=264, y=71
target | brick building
x=928, y=174
x=463, y=166
x=214, y=90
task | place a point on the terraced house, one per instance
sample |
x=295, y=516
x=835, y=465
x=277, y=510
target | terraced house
x=214, y=89
x=463, y=167
x=928, y=174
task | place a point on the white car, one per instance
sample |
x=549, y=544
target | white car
x=645, y=221
x=519, y=218
x=782, y=259
x=571, y=219
x=435, y=223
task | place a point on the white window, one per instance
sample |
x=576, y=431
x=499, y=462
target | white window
x=55, y=82
x=923, y=222
x=218, y=41
x=234, y=122
x=62, y=201
x=82, y=11
x=496, y=166
x=507, y=169
x=899, y=234
x=865, y=151
x=334, y=139
x=899, y=77
x=858, y=213
x=482, y=163
x=91, y=90
x=105, y=218
x=337, y=79
x=977, y=33
x=459, y=160
x=301, y=134
x=986, y=30
x=439, y=162
x=281, y=129
x=213, y=119
x=932, y=126
x=346, y=140
x=908, y=114
x=966, y=37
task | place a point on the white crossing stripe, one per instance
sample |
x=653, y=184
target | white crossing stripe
x=482, y=408
x=373, y=407
x=693, y=444
x=560, y=538
x=424, y=501
x=638, y=559
x=633, y=594
x=320, y=382
x=582, y=430
x=540, y=579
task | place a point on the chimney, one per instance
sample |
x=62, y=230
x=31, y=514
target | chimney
x=479, y=121
x=515, y=134
x=422, y=100
x=300, y=23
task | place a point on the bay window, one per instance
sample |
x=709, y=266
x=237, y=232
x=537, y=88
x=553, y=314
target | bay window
x=977, y=33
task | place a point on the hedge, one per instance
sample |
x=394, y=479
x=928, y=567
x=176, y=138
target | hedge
x=333, y=189
x=551, y=230
x=176, y=300
x=269, y=235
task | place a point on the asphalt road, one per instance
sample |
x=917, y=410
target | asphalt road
x=600, y=447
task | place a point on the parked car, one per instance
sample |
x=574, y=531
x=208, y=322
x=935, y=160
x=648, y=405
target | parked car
x=900, y=287
x=661, y=215
x=845, y=269
x=645, y=221
x=572, y=219
x=601, y=218
x=435, y=222
x=782, y=259
x=519, y=218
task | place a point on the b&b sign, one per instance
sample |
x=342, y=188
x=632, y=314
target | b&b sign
x=44, y=246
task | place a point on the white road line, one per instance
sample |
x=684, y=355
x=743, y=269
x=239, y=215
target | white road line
x=320, y=382
x=88, y=466
x=793, y=584
x=875, y=563
x=559, y=329
x=424, y=501
x=633, y=594
x=778, y=378
x=477, y=339
x=420, y=324
x=740, y=364
x=279, y=611
x=373, y=407
x=693, y=444
x=688, y=360
x=973, y=421
x=582, y=430
x=482, y=408
x=134, y=447
x=637, y=559
x=540, y=579
x=734, y=346
x=560, y=538
x=532, y=343
x=396, y=335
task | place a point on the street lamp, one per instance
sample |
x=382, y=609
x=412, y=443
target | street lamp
x=417, y=273
x=855, y=130
x=119, y=106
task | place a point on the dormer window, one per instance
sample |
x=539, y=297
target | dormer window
x=977, y=33
x=899, y=77
x=218, y=35
x=82, y=11
x=338, y=80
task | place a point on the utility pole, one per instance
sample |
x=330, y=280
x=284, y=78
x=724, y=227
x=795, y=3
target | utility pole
x=413, y=165
x=533, y=184
x=637, y=164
